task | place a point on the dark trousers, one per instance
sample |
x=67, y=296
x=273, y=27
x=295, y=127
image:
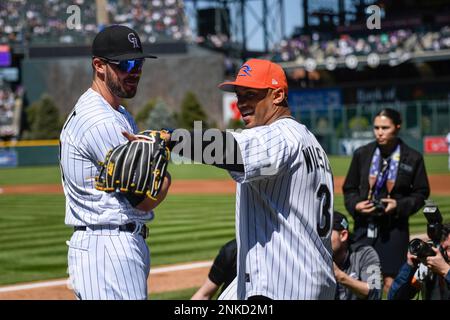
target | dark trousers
x=258, y=298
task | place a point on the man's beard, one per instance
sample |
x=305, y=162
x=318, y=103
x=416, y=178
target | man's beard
x=117, y=89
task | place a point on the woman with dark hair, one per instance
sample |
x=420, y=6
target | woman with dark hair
x=385, y=184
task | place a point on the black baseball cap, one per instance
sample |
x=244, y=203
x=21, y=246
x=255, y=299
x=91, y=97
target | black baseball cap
x=340, y=222
x=118, y=43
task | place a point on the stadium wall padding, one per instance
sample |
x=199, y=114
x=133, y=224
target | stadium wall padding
x=37, y=156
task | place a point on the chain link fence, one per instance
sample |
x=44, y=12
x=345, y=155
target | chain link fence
x=341, y=130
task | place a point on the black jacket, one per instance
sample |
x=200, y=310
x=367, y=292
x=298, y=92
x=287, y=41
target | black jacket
x=410, y=189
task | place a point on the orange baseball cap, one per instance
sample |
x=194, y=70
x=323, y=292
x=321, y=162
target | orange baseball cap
x=258, y=74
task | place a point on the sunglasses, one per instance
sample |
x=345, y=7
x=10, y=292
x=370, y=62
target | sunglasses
x=127, y=65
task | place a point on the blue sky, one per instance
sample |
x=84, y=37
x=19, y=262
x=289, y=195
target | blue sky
x=293, y=14
x=293, y=18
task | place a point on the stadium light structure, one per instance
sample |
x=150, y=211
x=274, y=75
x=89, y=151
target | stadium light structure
x=247, y=18
x=267, y=19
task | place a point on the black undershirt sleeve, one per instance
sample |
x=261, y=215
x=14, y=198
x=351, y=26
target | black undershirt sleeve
x=217, y=148
x=134, y=199
x=224, y=269
x=217, y=273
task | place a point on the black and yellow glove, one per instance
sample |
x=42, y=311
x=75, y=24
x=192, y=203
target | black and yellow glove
x=137, y=167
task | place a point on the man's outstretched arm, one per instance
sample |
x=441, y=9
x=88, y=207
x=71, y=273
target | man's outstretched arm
x=222, y=150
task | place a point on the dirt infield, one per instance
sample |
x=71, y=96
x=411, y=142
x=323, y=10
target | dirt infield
x=177, y=187
x=440, y=186
x=162, y=279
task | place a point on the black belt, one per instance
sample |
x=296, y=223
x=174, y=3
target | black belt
x=129, y=227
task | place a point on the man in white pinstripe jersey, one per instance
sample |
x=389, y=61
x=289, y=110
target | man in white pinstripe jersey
x=108, y=257
x=284, y=199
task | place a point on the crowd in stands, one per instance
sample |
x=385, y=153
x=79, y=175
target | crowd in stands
x=153, y=19
x=36, y=22
x=399, y=41
x=215, y=41
x=25, y=21
x=7, y=106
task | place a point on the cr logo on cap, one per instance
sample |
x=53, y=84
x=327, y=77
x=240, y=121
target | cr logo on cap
x=132, y=38
x=246, y=70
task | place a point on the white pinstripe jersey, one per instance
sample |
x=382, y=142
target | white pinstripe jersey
x=91, y=130
x=284, y=205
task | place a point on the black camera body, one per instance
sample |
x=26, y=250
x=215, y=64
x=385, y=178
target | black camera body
x=380, y=207
x=420, y=249
x=423, y=249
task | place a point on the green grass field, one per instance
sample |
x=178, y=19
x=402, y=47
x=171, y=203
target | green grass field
x=51, y=174
x=186, y=228
x=174, y=295
x=33, y=234
x=436, y=164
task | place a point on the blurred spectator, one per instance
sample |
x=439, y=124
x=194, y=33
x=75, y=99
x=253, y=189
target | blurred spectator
x=153, y=19
x=7, y=106
x=399, y=42
x=217, y=41
x=46, y=21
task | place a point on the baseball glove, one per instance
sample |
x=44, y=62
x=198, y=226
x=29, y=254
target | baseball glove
x=137, y=167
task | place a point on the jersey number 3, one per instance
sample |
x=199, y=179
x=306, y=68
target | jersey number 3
x=324, y=221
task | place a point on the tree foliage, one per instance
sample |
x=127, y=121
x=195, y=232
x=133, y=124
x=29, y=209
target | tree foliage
x=43, y=121
x=160, y=117
x=358, y=123
x=143, y=114
x=191, y=111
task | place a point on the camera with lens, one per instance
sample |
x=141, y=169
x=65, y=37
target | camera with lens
x=423, y=249
x=379, y=207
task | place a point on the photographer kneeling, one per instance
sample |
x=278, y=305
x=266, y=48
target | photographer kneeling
x=356, y=266
x=425, y=273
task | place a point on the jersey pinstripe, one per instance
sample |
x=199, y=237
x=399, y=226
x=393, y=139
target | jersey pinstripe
x=91, y=130
x=104, y=263
x=114, y=266
x=284, y=206
x=230, y=292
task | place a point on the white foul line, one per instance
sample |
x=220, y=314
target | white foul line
x=55, y=283
x=180, y=267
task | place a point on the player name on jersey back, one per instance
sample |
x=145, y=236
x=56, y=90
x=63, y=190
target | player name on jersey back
x=315, y=158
